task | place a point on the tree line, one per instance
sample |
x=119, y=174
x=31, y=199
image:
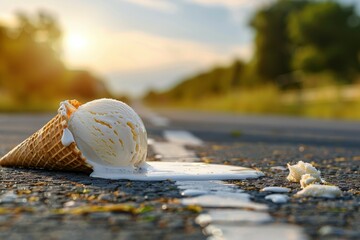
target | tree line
x=31, y=69
x=293, y=40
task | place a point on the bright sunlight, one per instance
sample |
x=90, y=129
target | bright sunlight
x=75, y=43
x=77, y=49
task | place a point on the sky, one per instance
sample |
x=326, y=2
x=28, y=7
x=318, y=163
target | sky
x=138, y=45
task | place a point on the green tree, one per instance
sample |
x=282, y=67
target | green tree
x=327, y=36
x=42, y=28
x=273, y=47
x=216, y=81
x=32, y=73
x=33, y=69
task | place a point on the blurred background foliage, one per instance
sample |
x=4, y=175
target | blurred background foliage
x=306, y=62
x=32, y=75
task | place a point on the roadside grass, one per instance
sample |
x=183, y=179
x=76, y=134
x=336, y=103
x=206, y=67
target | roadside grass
x=328, y=102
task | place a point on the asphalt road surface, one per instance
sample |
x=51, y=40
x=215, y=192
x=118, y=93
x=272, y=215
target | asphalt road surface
x=38, y=204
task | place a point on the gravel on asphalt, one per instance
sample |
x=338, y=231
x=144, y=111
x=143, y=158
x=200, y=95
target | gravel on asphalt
x=321, y=218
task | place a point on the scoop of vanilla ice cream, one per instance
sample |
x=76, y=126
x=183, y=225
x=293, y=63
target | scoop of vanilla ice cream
x=109, y=133
x=316, y=190
x=301, y=168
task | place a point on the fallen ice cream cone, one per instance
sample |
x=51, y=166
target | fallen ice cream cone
x=107, y=138
x=45, y=150
x=81, y=137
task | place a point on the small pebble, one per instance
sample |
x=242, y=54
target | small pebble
x=278, y=168
x=8, y=197
x=276, y=189
x=277, y=198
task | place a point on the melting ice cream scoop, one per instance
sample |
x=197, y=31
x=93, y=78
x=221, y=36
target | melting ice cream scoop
x=107, y=132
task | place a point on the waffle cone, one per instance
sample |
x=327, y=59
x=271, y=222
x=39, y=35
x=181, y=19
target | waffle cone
x=44, y=150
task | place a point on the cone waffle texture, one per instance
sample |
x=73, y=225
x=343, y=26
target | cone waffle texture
x=44, y=150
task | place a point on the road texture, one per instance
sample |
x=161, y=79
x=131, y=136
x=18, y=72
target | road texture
x=36, y=204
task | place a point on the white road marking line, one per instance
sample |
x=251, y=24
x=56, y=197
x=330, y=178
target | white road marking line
x=150, y=141
x=237, y=200
x=222, y=231
x=174, y=152
x=228, y=216
x=182, y=137
x=174, y=149
x=227, y=195
x=148, y=114
x=157, y=120
x=233, y=215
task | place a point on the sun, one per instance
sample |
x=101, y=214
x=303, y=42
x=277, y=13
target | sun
x=76, y=43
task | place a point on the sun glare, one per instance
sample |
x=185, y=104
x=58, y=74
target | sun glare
x=76, y=43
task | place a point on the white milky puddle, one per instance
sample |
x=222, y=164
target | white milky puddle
x=183, y=171
x=277, y=198
x=276, y=189
x=267, y=231
x=232, y=215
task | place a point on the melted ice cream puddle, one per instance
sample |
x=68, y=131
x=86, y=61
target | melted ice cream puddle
x=177, y=171
x=113, y=140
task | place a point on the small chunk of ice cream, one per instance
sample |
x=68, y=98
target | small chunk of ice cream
x=107, y=132
x=317, y=190
x=301, y=168
x=306, y=180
